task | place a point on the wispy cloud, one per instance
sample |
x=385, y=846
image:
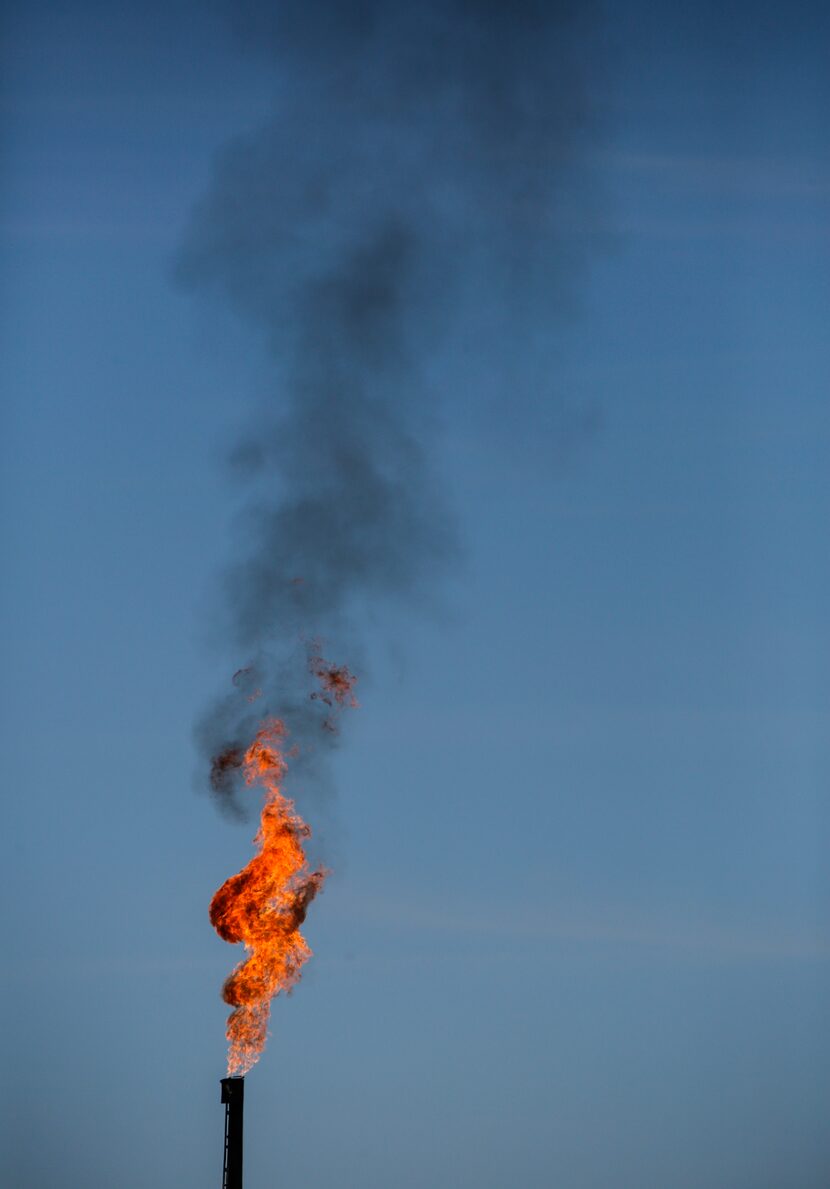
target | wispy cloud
x=602, y=926
x=746, y=176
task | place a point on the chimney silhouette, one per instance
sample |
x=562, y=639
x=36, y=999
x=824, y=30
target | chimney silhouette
x=233, y=1096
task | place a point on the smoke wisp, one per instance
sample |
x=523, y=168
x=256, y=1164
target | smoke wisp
x=416, y=154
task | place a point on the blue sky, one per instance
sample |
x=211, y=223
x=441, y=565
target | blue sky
x=577, y=930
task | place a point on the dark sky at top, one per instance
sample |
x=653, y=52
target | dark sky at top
x=508, y=326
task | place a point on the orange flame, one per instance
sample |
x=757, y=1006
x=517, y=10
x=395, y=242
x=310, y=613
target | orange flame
x=265, y=904
x=337, y=685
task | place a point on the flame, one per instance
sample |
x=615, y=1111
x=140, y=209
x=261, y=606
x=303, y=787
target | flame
x=337, y=685
x=264, y=905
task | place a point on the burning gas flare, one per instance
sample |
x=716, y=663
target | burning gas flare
x=264, y=905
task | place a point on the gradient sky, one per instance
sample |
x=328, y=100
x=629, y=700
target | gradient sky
x=578, y=931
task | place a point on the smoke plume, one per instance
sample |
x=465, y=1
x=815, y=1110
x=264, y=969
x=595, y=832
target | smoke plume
x=417, y=155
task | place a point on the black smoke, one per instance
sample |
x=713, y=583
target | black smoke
x=417, y=153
